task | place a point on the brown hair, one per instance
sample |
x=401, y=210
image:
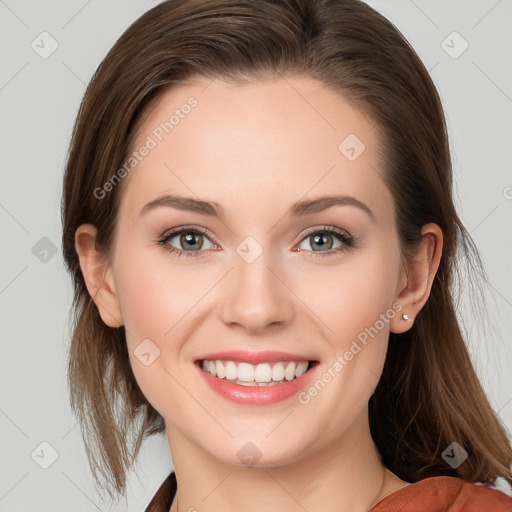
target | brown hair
x=429, y=394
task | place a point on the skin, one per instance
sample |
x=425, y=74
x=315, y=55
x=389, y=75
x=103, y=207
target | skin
x=256, y=149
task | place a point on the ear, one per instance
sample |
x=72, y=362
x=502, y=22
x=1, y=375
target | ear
x=97, y=275
x=418, y=275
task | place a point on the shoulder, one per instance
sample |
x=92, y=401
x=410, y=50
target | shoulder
x=445, y=494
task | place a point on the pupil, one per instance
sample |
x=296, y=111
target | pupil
x=320, y=240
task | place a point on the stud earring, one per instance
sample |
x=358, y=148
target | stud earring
x=406, y=317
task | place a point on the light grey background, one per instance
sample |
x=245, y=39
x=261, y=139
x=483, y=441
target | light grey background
x=39, y=98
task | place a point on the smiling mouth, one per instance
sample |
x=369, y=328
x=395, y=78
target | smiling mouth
x=256, y=375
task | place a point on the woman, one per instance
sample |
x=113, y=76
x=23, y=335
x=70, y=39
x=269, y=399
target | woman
x=220, y=147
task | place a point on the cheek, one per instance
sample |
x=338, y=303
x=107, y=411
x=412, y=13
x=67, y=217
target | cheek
x=145, y=314
x=355, y=309
x=154, y=295
x=155, y=300
x=350, y=297
x=160, y=301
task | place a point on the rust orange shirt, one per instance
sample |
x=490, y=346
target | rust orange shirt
x=444, y=494
x=435, y=494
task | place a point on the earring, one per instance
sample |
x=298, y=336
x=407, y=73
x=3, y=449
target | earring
x=406, y=317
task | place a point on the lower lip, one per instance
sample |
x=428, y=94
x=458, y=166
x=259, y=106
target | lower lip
x=256, y=395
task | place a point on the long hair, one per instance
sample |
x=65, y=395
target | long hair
x=429, y=395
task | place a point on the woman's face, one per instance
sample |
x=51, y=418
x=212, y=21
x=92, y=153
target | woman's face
x=264, y=278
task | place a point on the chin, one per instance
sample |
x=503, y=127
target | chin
x=258, y=453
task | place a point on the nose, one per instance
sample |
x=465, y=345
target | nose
x=256, y=297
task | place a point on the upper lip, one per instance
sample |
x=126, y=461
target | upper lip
x=244, y=356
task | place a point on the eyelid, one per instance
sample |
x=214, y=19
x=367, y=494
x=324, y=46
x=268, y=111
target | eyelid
x=325, y=228
x=178, y=230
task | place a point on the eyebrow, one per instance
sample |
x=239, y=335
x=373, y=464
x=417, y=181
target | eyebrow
x=305, y=207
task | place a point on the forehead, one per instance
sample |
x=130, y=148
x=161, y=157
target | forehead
x=274, y=141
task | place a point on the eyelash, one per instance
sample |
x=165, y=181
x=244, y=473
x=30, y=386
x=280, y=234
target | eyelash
x=348, y=241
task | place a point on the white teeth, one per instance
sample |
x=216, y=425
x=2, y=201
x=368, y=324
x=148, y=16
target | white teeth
x=246, y=372
x=289, y=372
x=301, y=369
x=264, y=374
x=278, y=371
x=220, y=370
x=231, y=371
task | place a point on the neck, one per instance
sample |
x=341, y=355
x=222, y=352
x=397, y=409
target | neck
x=346, y=475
